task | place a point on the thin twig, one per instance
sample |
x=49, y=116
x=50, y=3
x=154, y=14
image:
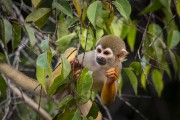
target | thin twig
x=105, y=108
x=132, y=107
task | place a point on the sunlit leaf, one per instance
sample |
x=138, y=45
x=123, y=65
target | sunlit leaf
x=3, y=87
x=87, y=39
x=178, y=7
x=39, y=16
x=118, y=28
x=45, y=45
x=65, y=70
x=153, y=6
x=173, y=39
x=144, y=76
x=99, y=33
x=67, y=100
x=63, y=6
x=120, y=84
x=30, y=34
x=6, y=30
x=62, y=27
x=79, y=5
x=37, y=3
x=155, y=30
x=157, y=81
x=17, y=35
x=74, y=115
x=64, y=41
x=132, y=78
x=131, y=37
x=123, y=7
x=84, y=82
x=110, y=10
x=43, y=68
x=93, y=11
x=136, y=67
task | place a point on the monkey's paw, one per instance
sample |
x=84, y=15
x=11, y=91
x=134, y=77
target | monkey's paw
x=112, y=75
x=76, y=67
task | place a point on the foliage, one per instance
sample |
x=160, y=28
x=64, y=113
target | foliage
x=56, y=25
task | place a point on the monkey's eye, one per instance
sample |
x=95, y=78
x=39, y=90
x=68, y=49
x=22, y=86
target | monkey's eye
x=99, y=50
x=106, y=52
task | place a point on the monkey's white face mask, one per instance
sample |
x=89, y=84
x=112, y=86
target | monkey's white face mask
x=104, y=56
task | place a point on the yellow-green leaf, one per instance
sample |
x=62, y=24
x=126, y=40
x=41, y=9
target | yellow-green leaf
x=173, y=38
x=63, y=6
x=6, y=30
x=178, y=7
x=30, y=33
x=93, y=11
x=157, y=81
x=132, y=78
x=37, y=3
x=39, y=16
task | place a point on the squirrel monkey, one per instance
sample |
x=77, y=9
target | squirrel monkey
x=105, y=63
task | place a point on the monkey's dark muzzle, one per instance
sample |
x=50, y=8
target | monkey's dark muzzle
x=101, y=60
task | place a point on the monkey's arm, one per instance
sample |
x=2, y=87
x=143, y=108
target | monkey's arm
x=109, y=89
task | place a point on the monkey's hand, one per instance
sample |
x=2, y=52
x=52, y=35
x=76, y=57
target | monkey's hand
x=76, y=67
x=112, y=75
x=109, y=89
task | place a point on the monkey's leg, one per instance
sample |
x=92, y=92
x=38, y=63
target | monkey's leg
x=109, y=89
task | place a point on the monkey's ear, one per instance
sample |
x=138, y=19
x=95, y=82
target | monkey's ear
x=122, y=55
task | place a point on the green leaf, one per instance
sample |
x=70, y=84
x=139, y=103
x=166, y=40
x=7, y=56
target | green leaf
x=120, y=85
x=157, y=81
x=37, y=3
x=2, y=57
x=17, y=35
x=64, y=41
x=132, y=78
x=84, y=98
x=131, y=38
x=174, y=61
x=123, y=7
x=178, y=7
x=43, y=63
x=62, y=27
x=66, y=68
x=6, y=30
x=93, y=112
x=74, y=115
x=85, y=82
x=99, y=33
x=30, y=34
x=8, y=5
x=144, y=75
x=155, y=30
x=173, y=39
x=63, y=6
x=87, y=34
x=3, y=87
x=39, y=16
x=136, y=67
x=93, y=11
x=66, y=101
x=153, y=6
x=45, y=45
x=119, y=28
x=69, y=22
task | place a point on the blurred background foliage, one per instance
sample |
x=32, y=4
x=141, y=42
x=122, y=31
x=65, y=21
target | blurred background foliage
x=35, y=33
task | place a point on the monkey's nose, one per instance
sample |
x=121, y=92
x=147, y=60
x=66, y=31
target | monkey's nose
x=101, y=60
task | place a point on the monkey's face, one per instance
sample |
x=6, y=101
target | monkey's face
x=104, y=56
